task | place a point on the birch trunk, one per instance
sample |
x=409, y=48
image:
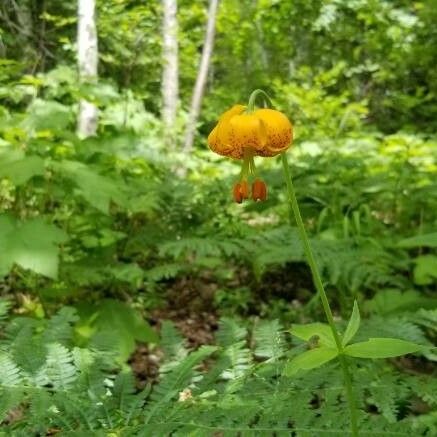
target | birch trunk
x=199, y=87
x=87, y=54
x=170, y=73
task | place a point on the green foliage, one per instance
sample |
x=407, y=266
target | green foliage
x=353, y=325
x=116, y=325
x=31, y=244
x=381, y=348
x=310, y=359
x=327, y=346
x=96, y=232
x=19, y=168
x=83, y=390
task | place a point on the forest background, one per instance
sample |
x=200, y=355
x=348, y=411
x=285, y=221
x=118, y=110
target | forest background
x=122, y=252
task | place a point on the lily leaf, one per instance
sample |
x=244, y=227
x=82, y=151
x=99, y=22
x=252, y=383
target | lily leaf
x=382, y=348
x=353, y=325
x=310, y=360
x=320, y=330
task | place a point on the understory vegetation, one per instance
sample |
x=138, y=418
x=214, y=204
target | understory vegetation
x=138, y=300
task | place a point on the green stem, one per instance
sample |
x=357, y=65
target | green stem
x=252, y=100
x=322, y=293
x=248, y=164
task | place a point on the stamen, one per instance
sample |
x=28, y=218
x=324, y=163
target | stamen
x=236, y=192
x=240, y=191
x=244, y=189
x=259, y=190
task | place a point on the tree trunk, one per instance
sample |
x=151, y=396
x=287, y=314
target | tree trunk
x=199, y=87
x=24, y=30
x=170, y=73
x=87, y=54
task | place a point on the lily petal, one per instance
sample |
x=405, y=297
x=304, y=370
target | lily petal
x=279, y=130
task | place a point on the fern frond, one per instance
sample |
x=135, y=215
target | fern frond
x=201, y=247
x=174, y=382
x=426, y=318
x=39, y=410
x=59, y=328
x=26, y=347
x=5, y=306
x=387, y=401
x=230, y=332
x=172, y=342
x=123, y=390
x=269, y=340
x=164, y=271
x=240, y=359
x=59, y=366
x=10, y=398
x=69, y=411
x=10, y=373
x=425, y=388
x=398, y=327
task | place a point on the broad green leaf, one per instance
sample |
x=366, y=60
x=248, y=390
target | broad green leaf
x=382, y=348
x=18, y=167
x=425, y=271
x=46, y=114
x=96, y=189
x=425, y=240
x=131, y=273
x=321, y=330
x=32, y=244
x=310, y=359
x=100, y=93
x=124, y=324
x=395, y=301
x=353, y=325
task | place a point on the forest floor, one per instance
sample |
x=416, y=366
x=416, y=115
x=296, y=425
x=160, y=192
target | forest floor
x=189, y=304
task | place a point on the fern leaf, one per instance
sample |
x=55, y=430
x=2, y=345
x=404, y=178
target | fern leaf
x=59, y=328
x=240, y=359
x=397, y=327
x=174, y=382
x=10, y=398
x=10, y=374
x=59, y=366
x=123, y=390
x=172, y=342
x=39, y=409
x=5, y=306
x=229, y=332
x=269, y=340
x=163, y=271
x=27, y=349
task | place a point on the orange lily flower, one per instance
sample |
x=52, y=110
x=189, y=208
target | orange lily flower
x=242, y=133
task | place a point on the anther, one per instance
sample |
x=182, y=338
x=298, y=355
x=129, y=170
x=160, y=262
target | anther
x=259, y=190
x=240, y=191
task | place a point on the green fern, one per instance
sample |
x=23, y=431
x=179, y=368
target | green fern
x=270, y=342
x=239, y=391
x=201, y=247
x=395, y=326
x=164, y=271
x=10, y=373
x=172, y=342
x=426, y=319
x=59, y=367
x=60, y=327
x=173, y=383
x=5, y=306
x=230, y=332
